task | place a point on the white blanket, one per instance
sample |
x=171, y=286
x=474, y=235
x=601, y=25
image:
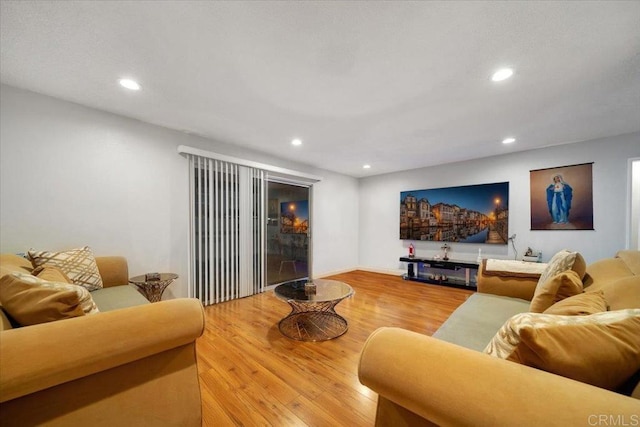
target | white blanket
x=514, y=266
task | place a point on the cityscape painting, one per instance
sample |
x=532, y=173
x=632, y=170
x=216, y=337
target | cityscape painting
x=465, y=214
x=294, y=217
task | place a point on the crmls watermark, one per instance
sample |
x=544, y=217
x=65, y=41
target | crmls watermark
x=614, y=420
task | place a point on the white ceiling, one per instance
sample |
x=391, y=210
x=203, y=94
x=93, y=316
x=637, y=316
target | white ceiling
x=398, y=85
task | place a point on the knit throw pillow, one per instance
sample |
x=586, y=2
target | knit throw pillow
x=559, y=263
x=79, y=265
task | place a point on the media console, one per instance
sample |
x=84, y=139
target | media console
x=457, y=274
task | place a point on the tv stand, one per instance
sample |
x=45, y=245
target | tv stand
x=457, y=274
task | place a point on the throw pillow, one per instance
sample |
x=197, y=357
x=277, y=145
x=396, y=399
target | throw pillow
x=560, y=262
x=30, y=300
x=579, y=305
x=51, y=274
x=579, y=266
x=557, y=288
x=78, y=264
x=601, y=349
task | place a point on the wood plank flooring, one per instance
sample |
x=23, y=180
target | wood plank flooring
x=251, y=375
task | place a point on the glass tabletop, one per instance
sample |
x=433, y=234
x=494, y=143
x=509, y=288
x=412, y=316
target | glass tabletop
x=142, y=279
x=326, y=290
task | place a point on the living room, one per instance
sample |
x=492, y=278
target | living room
x=74, y=175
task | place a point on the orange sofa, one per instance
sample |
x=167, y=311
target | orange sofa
x=134, y=363
x=425, y=381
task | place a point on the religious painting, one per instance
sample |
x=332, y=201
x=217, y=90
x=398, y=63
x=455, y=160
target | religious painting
x=562, y=198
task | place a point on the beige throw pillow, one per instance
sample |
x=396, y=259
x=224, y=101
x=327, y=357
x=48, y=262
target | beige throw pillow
x=601, y=349
x=30, y=300
x=51, y=274
x=579, y=305
x=560, y=262
x=557, y=288
x=78, y=264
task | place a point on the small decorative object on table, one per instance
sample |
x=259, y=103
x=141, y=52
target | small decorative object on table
x=310, y=288
x=445, y=248
x=152, y=285
x=532, y=256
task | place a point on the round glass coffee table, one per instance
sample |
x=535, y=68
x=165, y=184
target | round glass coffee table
x=312, y=316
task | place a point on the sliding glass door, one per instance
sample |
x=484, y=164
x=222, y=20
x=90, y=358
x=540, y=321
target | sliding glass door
x=288, y=232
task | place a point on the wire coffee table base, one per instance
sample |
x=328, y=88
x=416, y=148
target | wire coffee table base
x=313, y=321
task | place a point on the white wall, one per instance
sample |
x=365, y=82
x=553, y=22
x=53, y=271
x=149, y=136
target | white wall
x=380, y=246
x=73, y=176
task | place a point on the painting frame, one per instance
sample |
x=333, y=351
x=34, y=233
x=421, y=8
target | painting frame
x=477, y=213
x=562, y=197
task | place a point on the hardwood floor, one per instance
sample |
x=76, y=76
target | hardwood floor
x=250, y=374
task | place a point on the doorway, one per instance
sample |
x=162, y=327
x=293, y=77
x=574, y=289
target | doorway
x=288, y=232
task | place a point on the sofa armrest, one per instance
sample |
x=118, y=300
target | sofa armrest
x=514, y=287
x=451, y=385
x=114, y=270
x=41, y=356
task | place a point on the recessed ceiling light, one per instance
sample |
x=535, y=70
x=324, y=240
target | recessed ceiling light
x=366, y=166
x=502, y=74
x=129, y=84
x=296, y=142
x=508, y=140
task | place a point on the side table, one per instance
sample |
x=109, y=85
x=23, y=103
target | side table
x=153, y=289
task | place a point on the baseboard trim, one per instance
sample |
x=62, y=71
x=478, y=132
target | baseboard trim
x=333, y=273
x=392, y=272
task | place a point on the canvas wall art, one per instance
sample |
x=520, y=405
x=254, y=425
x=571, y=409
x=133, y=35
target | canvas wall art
x=562, y=198
x=465, y=214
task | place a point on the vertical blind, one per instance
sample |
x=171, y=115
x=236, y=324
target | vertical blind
x=227, y=230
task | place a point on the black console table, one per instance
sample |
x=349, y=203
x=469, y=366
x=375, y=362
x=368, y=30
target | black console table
x=457, y=274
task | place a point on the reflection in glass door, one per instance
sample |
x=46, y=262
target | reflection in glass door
x=288, y=232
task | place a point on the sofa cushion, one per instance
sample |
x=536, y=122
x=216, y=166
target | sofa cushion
x=622, y=293
x=601, y=349
x=78, y=264
x=5, y=323
x=557, y=288
x=30, y=300
x=631, y=260
x=117, y=297
x=11, y=263
x=579, y=305
x=605, y=271
x=475, y=322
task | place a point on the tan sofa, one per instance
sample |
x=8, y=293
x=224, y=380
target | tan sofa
x=424, y=380
x=132, y=364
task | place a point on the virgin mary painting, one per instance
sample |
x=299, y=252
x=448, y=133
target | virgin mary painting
x=562, y=198
x=559, y=195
